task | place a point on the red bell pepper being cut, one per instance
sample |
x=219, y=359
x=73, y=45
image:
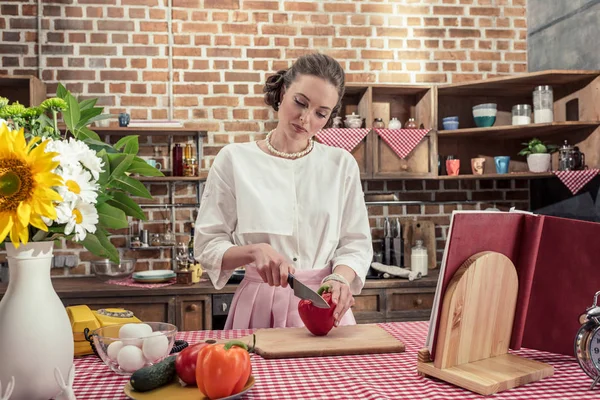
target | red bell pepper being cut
x=318, y=321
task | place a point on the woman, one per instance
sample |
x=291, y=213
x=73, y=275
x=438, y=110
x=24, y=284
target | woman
x=287, y=204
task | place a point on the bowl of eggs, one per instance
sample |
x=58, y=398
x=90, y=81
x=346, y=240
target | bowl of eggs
x=125, y=348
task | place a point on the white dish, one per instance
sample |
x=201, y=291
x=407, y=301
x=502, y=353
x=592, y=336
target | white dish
x=153, y=274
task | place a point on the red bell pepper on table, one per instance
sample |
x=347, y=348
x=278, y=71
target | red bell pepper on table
x=318, y=321
x=185, y=363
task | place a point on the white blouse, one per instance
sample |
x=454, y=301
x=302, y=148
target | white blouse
x=310, y=210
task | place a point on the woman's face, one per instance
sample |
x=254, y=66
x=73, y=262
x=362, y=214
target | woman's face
x=306, y=106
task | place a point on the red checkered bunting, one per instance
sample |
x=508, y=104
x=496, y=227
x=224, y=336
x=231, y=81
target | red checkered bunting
x=576, y=180
x=369, y=376
x=339, y=137
x=402, y=141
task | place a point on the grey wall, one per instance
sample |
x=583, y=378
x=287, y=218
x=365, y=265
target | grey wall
x=563, y=34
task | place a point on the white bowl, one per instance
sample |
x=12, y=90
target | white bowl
x=485, y=112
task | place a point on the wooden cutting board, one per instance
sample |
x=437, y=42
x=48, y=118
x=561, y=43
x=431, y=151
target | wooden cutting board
x=344, y=340
x=422, y=230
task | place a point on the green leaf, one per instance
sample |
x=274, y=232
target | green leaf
x=100, y=117
x=99, y=245
x=103, y=198
x=112, y=217
x=61, y=91
x=141, y=167
x=86, y=104
x=132, y=186
x=130, y=143
x=84, y=133
x=71, y=115
x=130, y=207
x=97, y=145
x=86, y=115
x=119, y=164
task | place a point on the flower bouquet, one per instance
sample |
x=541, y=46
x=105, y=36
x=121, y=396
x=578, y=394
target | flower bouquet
x=66, y=183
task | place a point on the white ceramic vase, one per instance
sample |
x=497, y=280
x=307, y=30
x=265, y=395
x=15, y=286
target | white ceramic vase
x=539, y=162
x=35, y=332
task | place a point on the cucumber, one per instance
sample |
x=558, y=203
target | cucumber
x=154, y=376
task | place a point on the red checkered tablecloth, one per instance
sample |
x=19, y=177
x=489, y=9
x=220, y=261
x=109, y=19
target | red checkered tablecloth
x=402, y=141
x=576, y=180
x=345, y=138
x=374, y=376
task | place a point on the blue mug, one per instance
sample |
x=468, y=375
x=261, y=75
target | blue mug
x=502, y=163
x=124, y=119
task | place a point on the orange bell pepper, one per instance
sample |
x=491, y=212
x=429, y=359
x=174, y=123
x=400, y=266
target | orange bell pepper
x=223, y=370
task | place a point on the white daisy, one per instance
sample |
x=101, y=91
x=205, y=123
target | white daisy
x=83, y=219
x=73, y=152
x=78, y=185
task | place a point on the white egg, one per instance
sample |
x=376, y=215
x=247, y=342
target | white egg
x=130, y=358
x=113, y=349
x=145, y=329
x=155, y=347
x=129, y=334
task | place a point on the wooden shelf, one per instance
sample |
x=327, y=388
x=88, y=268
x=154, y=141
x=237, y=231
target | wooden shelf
x=511, y=175
x=520, y=131
x=170, y=178
x=150, y=131
x=518, y=85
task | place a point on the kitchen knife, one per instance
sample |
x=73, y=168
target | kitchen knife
x=305, y=293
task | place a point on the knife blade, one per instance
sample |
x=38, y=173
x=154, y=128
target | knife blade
x=305, y=293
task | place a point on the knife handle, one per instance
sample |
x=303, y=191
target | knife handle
x=290, y=280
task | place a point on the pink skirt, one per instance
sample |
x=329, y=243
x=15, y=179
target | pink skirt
x=255, y=304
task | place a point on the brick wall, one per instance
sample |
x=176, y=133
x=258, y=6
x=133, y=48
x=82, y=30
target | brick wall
x=222, y=51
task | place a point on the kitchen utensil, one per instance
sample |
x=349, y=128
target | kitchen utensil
x=149, y=345
x=174, y=390
x=106, y=269
x=343, y=340
x=153, y=276
x=570, y=158
x=387, y=242
x=305, y=293
x=398, y=244
x=543, y=104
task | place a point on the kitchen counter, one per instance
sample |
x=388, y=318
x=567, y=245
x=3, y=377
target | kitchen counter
x=201, y=307
x=368, y=376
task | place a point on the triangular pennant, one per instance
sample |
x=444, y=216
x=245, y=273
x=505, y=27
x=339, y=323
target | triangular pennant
x=402, y=141
x=576, y=180
x=344, y=138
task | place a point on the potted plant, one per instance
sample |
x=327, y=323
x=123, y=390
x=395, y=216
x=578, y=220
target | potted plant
x=539, y=155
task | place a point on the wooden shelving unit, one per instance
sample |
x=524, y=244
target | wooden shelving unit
x=524, y=132
x=27, y=90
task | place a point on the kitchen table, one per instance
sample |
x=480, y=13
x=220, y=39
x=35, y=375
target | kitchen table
x=374, y=376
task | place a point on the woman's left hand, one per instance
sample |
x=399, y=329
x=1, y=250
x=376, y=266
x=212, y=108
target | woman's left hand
x=342, y=298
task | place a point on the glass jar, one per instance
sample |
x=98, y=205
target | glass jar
x=394, y=124
x=543, y=104
x=136, y=242
x=521, y=114
x=411, y=124
x=378, y=123
x=418, y=258
x=155, y=241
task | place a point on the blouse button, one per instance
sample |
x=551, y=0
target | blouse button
x=295, y=259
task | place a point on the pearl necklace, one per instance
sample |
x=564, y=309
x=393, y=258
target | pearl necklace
x=287, y=155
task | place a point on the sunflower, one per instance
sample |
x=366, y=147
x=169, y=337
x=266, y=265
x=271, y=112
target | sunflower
x=26, y=181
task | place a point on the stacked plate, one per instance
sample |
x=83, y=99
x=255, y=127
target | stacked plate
x=153, y=276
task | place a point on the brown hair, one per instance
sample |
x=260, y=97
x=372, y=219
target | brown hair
x=315, y=64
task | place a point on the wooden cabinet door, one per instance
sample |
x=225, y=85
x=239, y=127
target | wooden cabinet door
x=369, y=306
x=194, y=313
x=145, y=308
x=409, y=304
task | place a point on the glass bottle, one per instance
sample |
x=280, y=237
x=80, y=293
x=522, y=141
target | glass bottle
x=378, y=123
x=177, y=160
x=418, y=258
x=411, y=124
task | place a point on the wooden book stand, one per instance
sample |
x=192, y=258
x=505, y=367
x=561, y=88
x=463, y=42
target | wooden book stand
x=475, y=329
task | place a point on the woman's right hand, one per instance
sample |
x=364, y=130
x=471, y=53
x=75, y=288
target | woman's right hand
x=272, y=266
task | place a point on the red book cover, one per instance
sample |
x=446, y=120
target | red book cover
x=552, y=257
